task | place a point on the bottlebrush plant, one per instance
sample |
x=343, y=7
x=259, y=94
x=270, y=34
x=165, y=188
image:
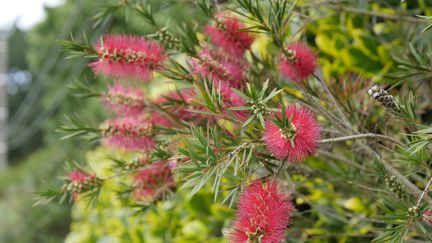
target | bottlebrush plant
x=264, y=133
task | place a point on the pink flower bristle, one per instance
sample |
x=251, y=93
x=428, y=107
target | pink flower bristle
x=305, y=142
x=151, y=182
x=179, y=104
x=79, y=176
x=124, y=100
x=263, y=213
x=215, y=64
x=122, y=56
x=184, y=111
x=228, y=35
x=231, y=99
x=79, y=182
x=162, y=120
x=130, y=133
x=427, y=217
x=225, y=72
x=302, y=65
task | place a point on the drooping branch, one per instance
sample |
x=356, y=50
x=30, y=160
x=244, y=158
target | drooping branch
x=359, y=136
x=424, y=193
x=394, y=17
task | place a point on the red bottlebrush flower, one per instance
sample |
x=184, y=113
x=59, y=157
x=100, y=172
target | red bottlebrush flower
x=80, y=181
x=263, y=214
x=130, y=133
x=293, y=135
x=217, y=65
x=179, y=103
x=301, y=63
x=427, y=217
x=161, y=119
x=79, y=176
x=228, y=35
x=123, y=56
x=150, y=183
x=231, y=99
x=124, y=100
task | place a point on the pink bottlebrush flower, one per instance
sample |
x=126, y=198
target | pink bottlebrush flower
x=293, y=136
x=179, y=103
x=79, y=176
x=217, y=65
x=80, y=181
x=150, y=183
x=161, y=119
x=427, y=217
x=228, y=34
x=263, y=214
x=301, y=63
x=231, y=99
x=123, y=56
x=130, y=133
x=124, y=100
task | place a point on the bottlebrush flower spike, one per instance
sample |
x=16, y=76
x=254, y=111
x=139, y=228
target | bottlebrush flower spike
x=124, y=100
x=298, y=63
x=293, y=134
x=79, y=176
x=80, y=181
x=228, y=34
x=150, y=183
x=179, y=104
x=123, y=56
x=228, y=99
x=263, y=214
x=218, y=65
x=130, y=133
x=231, y=99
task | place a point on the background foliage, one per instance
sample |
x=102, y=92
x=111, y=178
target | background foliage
x=348, y=41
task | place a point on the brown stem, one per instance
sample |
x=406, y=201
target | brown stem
x=358, y=136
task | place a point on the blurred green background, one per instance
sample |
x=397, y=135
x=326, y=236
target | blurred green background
x=347, y=42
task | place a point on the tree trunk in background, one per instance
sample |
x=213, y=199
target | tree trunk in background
x=3, y=102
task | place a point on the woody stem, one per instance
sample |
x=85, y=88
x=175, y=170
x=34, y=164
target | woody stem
x=426, y=189
x=359, y=136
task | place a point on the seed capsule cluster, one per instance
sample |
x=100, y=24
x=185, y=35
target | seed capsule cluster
x=414, y=211
x=260, y=107
x=396, y=187
x=167, y=38
x=135, y=164
x=382, y=96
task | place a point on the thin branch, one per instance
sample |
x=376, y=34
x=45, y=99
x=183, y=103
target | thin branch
x=333, y=100
x=358, y=136
x=341, y=159
x=424, y=192
x=393, y=171
x=378, y=14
